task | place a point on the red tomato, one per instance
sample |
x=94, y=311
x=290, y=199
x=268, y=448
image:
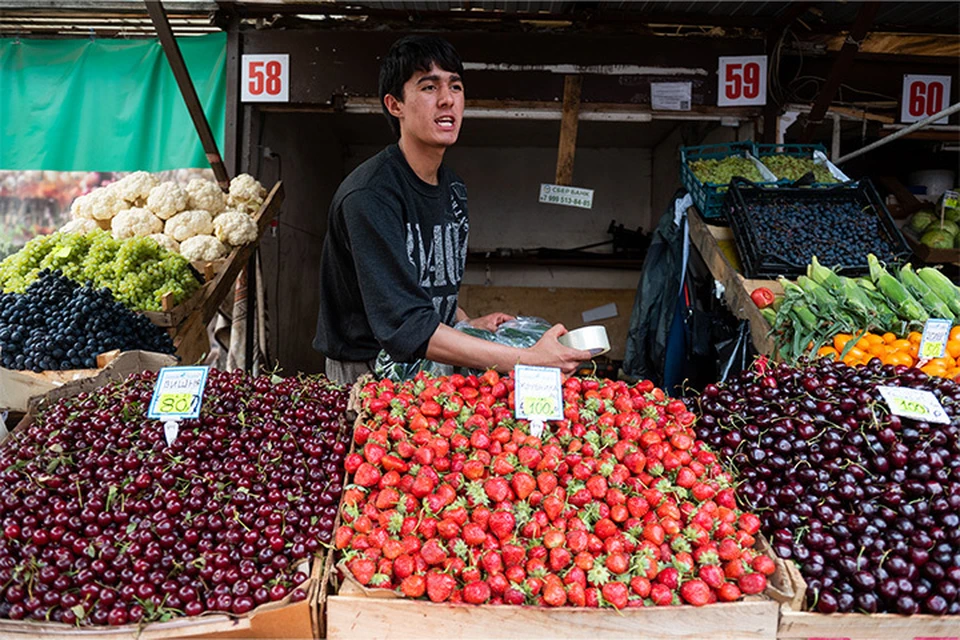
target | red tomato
x=762, y=297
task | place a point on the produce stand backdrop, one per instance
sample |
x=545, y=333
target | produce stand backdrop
x=99, y=105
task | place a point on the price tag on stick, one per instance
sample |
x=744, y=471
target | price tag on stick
x=915, y=404
x=178, y=393
x=933, y=344
x=538, y=395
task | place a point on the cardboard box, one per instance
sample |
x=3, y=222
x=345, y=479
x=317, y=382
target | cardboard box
x=20, y=389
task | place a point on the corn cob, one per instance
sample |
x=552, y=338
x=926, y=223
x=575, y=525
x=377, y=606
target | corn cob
x=900, y=299
x=825, y=277
x=856, y=298
x=769, y=315
x=819, y=295
x=941, y=285
x=936, y=307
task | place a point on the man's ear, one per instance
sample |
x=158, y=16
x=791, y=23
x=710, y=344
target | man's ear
x=394, y=106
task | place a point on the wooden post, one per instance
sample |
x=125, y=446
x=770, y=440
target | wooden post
x=861, y=26
x=568, y=129
x=172, y=50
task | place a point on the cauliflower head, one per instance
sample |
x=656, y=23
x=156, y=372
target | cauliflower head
x=235, y=228
x=135, y=188
x=165, y=241
x=99, y=204
x=167, y=199
x=135, y=222
x=206, y=195
x=196, y=222
x=81, y=226
x=246, y=194
x=203, y=248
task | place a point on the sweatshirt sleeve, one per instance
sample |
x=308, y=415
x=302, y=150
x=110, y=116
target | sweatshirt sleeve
x=400, y=312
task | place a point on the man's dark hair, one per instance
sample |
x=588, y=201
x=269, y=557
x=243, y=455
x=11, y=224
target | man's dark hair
x=408, y=55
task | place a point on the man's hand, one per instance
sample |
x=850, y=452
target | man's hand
x=491, y=321
x=548, y=352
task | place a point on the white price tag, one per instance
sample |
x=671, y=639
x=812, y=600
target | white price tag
x=924, y=96
x=915, y=404
x=178, y=393
x=171, y=430
x=742, y=81
x=566, y=196
x=933, y=344
x=265, y=77
x=950, y=200
x=538, y=394
x=670, y=96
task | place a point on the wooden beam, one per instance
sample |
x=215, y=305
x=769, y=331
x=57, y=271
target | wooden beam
x=232, y=124
x=569, y=120
x=865, y=16
x=172, y=50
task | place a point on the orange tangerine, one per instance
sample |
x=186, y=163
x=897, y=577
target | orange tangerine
x=955, y=333
x=840, y=341
x=953, y=348
x=827, y=351
x=857, y=353
x=934, y=370
x=900, y=345
x=873, y=339
x=889, y=337
x=899, y=357
x=914, y=337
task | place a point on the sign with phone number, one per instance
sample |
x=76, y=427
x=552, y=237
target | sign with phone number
x=566, y=196
x=178, y=393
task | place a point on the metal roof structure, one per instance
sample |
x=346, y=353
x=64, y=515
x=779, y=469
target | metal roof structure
x=128, y=18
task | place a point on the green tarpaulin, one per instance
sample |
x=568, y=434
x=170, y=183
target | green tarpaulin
x=105, y=105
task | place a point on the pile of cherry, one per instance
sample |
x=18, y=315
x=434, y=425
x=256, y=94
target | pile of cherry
x=104, y=523
x=866, y=503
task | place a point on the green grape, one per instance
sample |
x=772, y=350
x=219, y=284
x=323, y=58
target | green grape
x=722, y=171
x=138, y=271
x=794, y=168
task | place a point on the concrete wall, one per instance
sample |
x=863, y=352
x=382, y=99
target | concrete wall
x=503, y=186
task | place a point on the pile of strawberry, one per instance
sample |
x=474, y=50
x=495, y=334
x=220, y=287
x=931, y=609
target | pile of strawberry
x=617, y=505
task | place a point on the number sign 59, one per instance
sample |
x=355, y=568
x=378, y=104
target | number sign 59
x=265, y=78
x=742, y=81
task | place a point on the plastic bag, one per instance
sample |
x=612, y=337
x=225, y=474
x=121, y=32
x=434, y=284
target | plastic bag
x=522, y=332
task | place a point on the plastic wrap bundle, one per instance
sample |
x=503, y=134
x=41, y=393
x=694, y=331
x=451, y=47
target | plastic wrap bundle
x=522, y=332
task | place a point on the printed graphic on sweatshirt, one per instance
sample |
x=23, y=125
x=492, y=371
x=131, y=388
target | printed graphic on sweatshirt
x=439, y=253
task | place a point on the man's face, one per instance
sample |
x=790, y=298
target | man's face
x=432, y=107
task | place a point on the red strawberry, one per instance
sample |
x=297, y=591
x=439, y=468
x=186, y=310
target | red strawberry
x=497, y=489
x=423, y=484
x=492, y=562
x=554, y=595
x=728, y=592
x=553, y=506
x=749, y=523
x=367, y=475
x=640, y=586
x=577, y=541
x=343, y=536
x=654, y=533
x=616, y=594
x=605, y=528
x=597, y=486
x=502, y=524
x=695, y=592
x=362, y=569
x=413, y=586
x=559, y=559
x=403, y=566
x=513, y=555
x=433, y=552
x=476, y=592
x=661, y=594
x=712, y=575
x=618, y=563
x=764, y=565
x=473, y=534
x=752, y=583
x=352, y=462
x=546, y=482
x=523, y=485
x=686, y=478
x=728, y=549
x=440, y=586
x=669, y=577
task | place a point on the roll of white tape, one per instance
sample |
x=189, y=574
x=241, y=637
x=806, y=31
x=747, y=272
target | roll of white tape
x=593, y=339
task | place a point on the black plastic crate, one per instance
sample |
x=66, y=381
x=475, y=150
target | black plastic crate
x=805, y=230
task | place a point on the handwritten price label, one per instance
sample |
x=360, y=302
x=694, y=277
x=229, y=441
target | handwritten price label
x=914, y=404
x=538, y=393
x=933, y=344
x=178, y=393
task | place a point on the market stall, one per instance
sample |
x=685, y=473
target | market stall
x=813, y=492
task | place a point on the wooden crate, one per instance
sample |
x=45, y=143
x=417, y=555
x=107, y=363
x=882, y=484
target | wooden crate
x=355, y=614
x=281, y=619
x=708, y=239
x=929, y=255
x=796, y=624
x=20, y=389
x=221, y=274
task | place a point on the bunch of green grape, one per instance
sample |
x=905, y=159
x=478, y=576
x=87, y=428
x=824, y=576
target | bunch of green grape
x=138, y=271
x=722, y=171
x=794, y=168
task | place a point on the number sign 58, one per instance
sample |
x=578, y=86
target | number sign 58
x=742, y=81
x=265, y=78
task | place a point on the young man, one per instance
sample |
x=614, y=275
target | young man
x=396, y=246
